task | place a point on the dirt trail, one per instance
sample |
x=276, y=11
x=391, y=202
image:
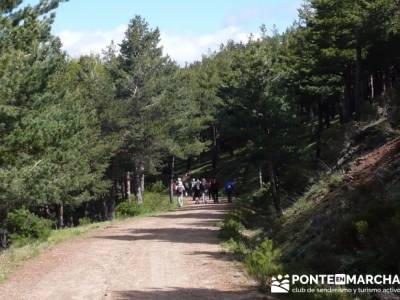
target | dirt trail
x=172, y=256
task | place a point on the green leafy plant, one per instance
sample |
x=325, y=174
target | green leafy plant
x=231, y=229
x=263, y=262
x=157, y=187
x=153, y=202
x=128, y=209
x=84, y=221
x=335, y=181
x=25, y=227
x=361, y=228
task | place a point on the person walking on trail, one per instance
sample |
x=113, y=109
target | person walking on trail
x=192, y=185
x=187, y=188
x=229, y=189
x=209, y=182
x=214, y=186
x=180, y=189
x=204, y=190
x=197, y=191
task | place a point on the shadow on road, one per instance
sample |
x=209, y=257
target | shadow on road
x=189, y=293
x=174, y=235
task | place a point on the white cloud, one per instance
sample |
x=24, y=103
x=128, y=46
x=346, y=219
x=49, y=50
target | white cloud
x=180, y=47
x=78, y=43
x=188, y=48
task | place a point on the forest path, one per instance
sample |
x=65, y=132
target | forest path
x=171, y=256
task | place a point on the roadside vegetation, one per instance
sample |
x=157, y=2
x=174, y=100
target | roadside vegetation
x=305, y=121
x=30, y=235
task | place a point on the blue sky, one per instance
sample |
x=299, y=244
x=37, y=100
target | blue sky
x=188, y=28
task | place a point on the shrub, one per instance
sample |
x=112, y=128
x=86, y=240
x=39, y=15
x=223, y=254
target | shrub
x=239, y=248
x=231, y=229
x=361, y=228
x=84, y=221
x=260, y=197
x=263, y=263
x=25, y=227
x=335, y=181
x=157, y=187
x=152, y=202
x=126, y=209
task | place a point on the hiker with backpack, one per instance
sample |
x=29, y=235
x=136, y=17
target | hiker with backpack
x=192, y=184
x=204, y=190
x=196, y=191
x=214, y=186
x=229, y=189
x=180, y=189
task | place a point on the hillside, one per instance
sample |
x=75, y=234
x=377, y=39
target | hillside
x=350, y=223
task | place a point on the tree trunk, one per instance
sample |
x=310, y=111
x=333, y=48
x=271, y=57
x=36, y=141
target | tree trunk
x=189, y=162
x=128, y=186
x=171, y=184
x=110, y=208
x=346, y=111
x=142, y=180
x=274, y=188
x=215, y=148
x=61, y=216
x=113, y=199
x=260, y=176
x=319, y=129
x=137, y=184
x=358, y=83
x=327, y=115
x=105, y=210
x=372, y=87
x=3, y=239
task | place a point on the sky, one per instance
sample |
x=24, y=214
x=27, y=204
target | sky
x=189, y=28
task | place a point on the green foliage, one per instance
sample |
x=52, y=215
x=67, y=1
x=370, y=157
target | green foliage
x=260, y=196
x=153, y=202
x=263, y=262
x=361, y=228
x=128, y=209
x=26, y=227
x=238, y=247
x=157, y=187
x=84, y=221
x=230, y=229
x=242, y=215
x=335, y=181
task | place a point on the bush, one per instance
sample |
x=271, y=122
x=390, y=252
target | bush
x=25, y=227
x=126, y=209
x=152, y=202
x=361, y=228
x=260, y=197
x=84, y=221
x=231, y=229
x=239, y=248
x=157, y=187
x=263, y=263
x=335, y=181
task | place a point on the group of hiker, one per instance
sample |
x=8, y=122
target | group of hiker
x=202, y=190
